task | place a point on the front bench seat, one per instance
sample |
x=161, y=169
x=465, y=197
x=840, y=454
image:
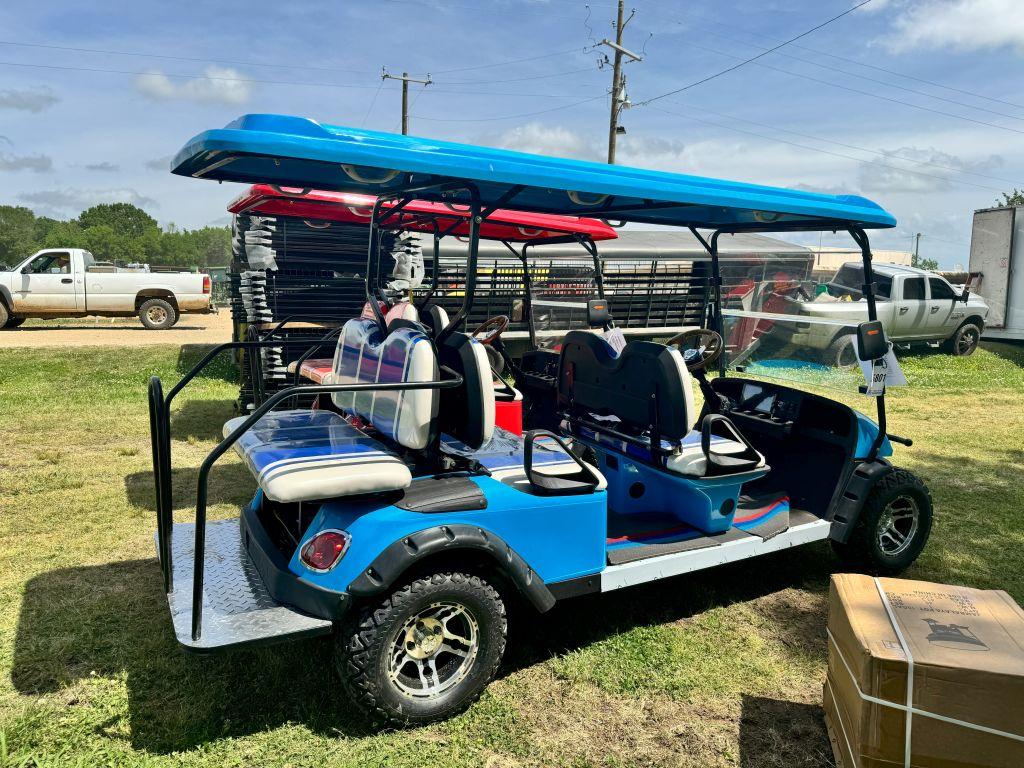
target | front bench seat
x=300, y=455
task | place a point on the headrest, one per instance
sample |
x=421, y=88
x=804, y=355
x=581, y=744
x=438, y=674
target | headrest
x=592, y=380
x=467, y=412
x=402, y=310
x=435, y=318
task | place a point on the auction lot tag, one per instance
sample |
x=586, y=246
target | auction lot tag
x=882, y=373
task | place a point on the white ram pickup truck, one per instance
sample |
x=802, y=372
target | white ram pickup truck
x=913, y=305
x=67, y=282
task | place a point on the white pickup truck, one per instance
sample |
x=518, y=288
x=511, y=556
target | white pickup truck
x=67, y=282
x=913, y=305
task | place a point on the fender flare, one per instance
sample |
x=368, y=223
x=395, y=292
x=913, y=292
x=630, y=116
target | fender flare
x=847, y=508
x=399, y=556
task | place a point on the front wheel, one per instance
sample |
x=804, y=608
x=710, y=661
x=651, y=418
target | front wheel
x=157, y=314
x=426, y=651
x=964, y=341
x=893, y=526
x=14, y=322
x=842, y=352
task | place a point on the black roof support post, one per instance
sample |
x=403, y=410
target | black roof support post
x=716, y=294
x=861, y=238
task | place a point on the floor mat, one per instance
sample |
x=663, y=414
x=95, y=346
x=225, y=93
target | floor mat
x=765, y=516
x=617, y=555
x=639, y=536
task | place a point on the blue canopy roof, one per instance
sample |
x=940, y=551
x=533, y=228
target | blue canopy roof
x=299, y=152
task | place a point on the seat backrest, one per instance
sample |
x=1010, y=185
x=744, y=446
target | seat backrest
x=402, y=310
x=364, y=355
x=467, y=413
x=592, y=379
x=435, y=318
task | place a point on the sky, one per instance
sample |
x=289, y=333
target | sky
x=916, y=104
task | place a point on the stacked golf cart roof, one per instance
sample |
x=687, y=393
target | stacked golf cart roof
x=293, y=278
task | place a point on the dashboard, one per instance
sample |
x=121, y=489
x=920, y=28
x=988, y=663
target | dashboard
x=777, y=410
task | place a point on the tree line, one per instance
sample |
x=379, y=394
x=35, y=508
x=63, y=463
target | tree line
x=121, y=233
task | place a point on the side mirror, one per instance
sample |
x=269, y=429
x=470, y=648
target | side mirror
x=966, y=294
x=598, y=315
x=871, y=341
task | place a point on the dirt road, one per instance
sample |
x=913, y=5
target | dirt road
x=107, y=332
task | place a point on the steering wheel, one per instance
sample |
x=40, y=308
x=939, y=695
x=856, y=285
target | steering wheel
x=700, y=347
x=489, y=331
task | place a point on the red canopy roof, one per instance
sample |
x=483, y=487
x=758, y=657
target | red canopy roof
x=514, y=226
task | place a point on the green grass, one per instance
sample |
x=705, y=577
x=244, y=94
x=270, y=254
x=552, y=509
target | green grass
x=721, y=668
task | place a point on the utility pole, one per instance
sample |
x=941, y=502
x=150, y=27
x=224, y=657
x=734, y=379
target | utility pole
x=619, y=100
x=405, y=93
x=917, y=250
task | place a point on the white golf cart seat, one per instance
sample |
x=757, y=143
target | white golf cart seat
x=301, y=455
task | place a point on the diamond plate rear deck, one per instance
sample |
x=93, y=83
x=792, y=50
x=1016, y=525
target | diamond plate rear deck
x=237, y=609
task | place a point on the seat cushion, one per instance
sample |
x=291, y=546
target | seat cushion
x=303, y=455
x=504, y=456
x=682, y=458
x=318, y=370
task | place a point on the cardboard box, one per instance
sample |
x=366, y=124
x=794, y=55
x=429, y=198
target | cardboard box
x=960, y=649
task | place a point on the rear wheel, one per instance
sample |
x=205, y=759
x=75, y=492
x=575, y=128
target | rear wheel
x=426, y=651
x=893, y=526
x=14, y=322
x=842, y=353
x=157, y=314
x=964, y=341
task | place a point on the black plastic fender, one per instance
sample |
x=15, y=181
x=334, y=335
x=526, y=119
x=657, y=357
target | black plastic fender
x=848, y=506
x=399, y=556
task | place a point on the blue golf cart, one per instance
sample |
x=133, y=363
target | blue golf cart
x=396, y=516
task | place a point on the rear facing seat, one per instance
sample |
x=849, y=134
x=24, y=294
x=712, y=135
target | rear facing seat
x=301, y=455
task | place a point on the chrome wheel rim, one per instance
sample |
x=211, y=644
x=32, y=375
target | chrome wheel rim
x=967, y=342
x=156, y=314
x=433, y=650
x=898, y=525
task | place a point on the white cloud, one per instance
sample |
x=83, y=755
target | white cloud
x=553, y=140
x=103, y=167
x=916, y=169
x=72, y=201
x=221, y=85
x=28, y=99
x=35, y=163
x=964, y=25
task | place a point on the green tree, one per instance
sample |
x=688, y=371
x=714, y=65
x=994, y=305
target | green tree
x=123, y=218
x=1011, y=199
x=63, y=234
x=17, y=234
x=922, y=263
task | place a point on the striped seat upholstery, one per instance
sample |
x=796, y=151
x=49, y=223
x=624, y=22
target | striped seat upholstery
x=303, y=455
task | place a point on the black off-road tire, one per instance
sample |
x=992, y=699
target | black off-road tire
x=964, y=340
x=157, y=314
x=5, y=317
x=863, y=550
x=364, y=646
x=14, y=322
x=842, y=352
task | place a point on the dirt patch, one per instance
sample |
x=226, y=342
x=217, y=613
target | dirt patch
x=118, y=332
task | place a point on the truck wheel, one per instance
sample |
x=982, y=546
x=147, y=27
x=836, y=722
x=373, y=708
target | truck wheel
x=964, y=341
x=893, y=526
x=842, y=353
x=4, y=316
x=14, y=322
x=157, y=314
x=426, y=651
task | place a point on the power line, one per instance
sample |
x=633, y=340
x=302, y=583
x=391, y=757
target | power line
x=520, y=79
x=507, y=117
x=865, y=93
x=184, y=58
x=217, y=78
x=754, y=58
x=826, y=151
x=510, y=61
x=862, y=77
x=889, y=155
x=732, y=28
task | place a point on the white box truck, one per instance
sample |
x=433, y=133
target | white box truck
x=997, y=269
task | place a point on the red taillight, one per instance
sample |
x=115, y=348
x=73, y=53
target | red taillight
x=207, y=284
x=323, y=551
